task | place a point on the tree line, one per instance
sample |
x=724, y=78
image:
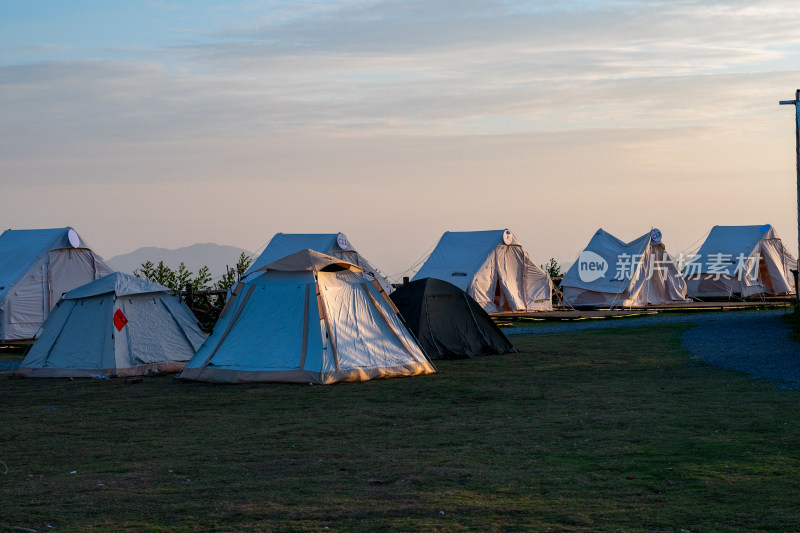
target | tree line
x=205, y=307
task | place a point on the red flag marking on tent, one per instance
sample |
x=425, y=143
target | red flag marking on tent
x=120, y=319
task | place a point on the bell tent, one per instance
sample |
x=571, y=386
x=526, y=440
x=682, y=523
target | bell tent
x=333, y=244
x=740, y=261
x=611, y=272
x=493, y=268
x=37, y=266
x=118, y=325
x=308, y=318
x=448, y=323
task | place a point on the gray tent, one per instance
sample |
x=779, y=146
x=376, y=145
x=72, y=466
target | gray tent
x=614, y=273
x=118, y=325
x=448, y=323
x=308, y=318
x=741, y=261
x=493, y=268
x=37, y=266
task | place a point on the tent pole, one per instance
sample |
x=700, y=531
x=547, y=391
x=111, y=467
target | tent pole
x=796, y=103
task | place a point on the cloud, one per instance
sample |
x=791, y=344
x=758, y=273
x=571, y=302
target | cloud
x=420, y=68
x=409, y=27
x=462, y=115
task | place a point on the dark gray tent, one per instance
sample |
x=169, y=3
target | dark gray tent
x=448, y=323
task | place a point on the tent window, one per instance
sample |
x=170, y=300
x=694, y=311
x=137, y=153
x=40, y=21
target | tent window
x=333, y=268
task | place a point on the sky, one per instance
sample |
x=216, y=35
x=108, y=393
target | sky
x=168, y=123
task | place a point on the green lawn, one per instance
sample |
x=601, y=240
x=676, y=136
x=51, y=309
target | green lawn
x=599, y=430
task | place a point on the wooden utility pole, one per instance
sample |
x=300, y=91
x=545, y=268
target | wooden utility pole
x=796, y=103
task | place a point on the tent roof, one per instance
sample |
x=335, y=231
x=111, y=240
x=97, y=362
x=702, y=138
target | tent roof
x=19, y=250
x=283, y=244
x=735, y=239
x=309, y=260
x=611, y=249
x=733, y=243
x=462, y=251
x=636, y=246
x=118, y=283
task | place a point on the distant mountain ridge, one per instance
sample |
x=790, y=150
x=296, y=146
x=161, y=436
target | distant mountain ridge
x=215, y=256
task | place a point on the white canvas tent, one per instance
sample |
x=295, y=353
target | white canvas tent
x=37, y=266
x=740, y=261
x=610, y=272
x=493, y=268
x=333, y=244
x=307, y=318
x=118, y=325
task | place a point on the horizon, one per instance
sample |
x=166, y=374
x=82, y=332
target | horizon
x=680, y=258
x=165, y=125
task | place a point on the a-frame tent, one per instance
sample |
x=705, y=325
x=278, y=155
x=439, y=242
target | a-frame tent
x=448, y=323
x=118, y=325
x=614, y=273
x=308, y=318
x=493, y=268
x=37, y=267
x=741, y=261
x=333, y=244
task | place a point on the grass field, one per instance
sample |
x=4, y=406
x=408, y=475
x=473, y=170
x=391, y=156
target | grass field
x=601, y=430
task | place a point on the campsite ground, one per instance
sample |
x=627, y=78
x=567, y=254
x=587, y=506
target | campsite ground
x=612, y=429
x=793, y=320
x=11, y=353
